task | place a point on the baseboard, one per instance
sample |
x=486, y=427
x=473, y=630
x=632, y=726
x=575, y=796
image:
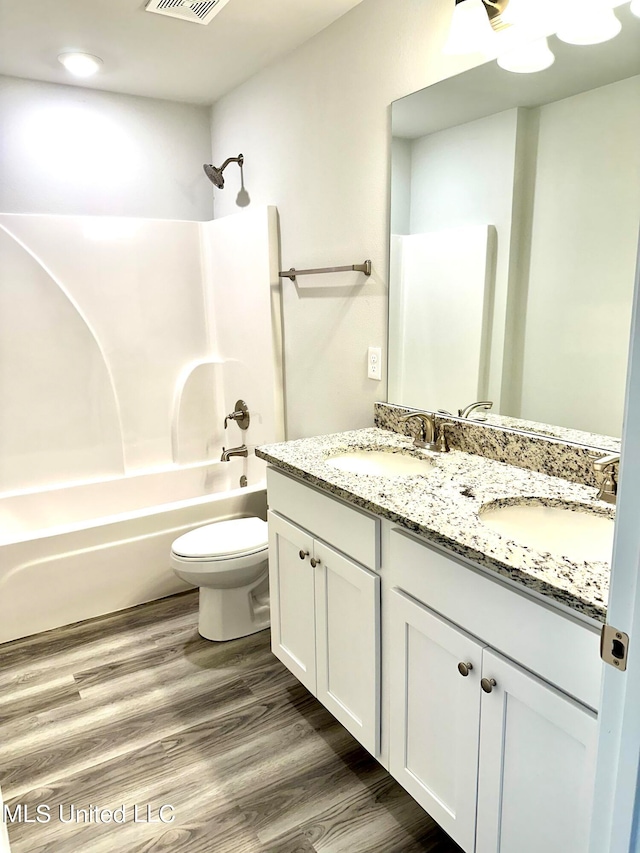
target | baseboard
x=4, y=835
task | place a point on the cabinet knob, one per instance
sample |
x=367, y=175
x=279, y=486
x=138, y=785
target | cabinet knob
x=315, y=561
x=488, y=684
x=464, y=669
x=303, y=554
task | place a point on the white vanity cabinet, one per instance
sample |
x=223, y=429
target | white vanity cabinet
x=523, y=751
x=486, y=713
x=325, y=607
x=470, y=726
x=435, y=715
x=292, y=593
x=537, y=765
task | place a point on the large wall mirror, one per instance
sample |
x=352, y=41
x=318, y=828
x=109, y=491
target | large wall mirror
x=515, y=216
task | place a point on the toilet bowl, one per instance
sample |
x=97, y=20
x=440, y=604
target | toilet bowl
x=228, y=560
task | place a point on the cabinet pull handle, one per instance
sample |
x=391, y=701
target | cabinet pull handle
x=464, y=669
x=488, y=684
x=315, y=561
x=303, y=554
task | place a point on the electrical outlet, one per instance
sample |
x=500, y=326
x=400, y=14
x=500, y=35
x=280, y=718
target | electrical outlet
x=374, y=363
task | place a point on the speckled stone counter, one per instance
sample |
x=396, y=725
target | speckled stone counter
x=443, y=507
x=555, y=456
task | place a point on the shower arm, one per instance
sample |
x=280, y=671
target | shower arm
x=239, y=159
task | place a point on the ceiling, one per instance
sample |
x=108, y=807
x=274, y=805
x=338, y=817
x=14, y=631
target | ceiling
x=153, y=55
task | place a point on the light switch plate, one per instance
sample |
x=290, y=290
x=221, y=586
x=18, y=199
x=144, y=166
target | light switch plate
x=374, y=363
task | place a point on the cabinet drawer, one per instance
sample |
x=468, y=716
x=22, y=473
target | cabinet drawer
x=348, y=529
x=558, y=648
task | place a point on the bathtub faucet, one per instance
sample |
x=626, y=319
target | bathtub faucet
x=234, y=451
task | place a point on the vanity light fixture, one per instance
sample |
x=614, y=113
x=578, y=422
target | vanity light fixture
x=471, y=29
x=635, y=7
x=80, y=64
x=588, y=22
x=528, y=58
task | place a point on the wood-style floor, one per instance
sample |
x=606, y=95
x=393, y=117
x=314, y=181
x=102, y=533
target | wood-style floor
x=136, y=709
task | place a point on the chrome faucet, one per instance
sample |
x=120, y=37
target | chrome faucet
x=484, y=406
x=234, y=451
x=608, y=489
x=429, y=437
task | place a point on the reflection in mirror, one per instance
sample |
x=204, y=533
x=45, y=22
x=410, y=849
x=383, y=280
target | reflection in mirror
x=515, y=216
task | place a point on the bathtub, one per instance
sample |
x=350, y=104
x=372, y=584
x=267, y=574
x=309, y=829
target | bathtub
x=85, y=549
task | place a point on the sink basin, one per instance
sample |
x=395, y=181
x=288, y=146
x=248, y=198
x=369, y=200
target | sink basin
x=380, y=463
x=566, y=531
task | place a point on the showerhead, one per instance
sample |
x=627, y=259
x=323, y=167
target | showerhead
x=215, y=175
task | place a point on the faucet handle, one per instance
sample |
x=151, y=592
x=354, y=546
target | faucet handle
x=241, y=415
x=606, y=465
x=441, y=441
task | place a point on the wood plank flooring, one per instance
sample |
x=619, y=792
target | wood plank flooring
x=135, y=709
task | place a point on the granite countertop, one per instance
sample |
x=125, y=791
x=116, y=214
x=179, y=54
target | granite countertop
x=443, y=505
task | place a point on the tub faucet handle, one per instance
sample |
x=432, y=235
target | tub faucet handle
x=241, y=415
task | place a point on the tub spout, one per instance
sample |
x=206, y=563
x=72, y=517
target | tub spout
x=234, y=451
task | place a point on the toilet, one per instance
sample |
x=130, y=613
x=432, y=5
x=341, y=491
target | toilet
x=228, y=560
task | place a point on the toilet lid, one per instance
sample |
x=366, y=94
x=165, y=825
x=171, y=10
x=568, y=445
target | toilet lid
x=224, y=539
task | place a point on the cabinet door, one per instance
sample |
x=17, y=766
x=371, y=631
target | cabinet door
x=537, y=751
x=435, y=715
x=348, y=643
x=292, y=597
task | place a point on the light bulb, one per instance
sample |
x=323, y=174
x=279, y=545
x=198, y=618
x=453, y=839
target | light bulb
x=588, y=22
x=470, y=30
x=635, y=7
x=80, y=64
x=528, y=58
x=533, y=16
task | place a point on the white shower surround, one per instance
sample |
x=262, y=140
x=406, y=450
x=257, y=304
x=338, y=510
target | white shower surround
x=163, y=326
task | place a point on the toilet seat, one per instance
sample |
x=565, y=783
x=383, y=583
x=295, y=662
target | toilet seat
x=216, y=567
x=223, y=540
x=229, y=562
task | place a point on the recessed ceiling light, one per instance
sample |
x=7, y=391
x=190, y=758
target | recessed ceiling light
x=80, y=64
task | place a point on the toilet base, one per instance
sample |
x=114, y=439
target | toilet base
x=228, y=614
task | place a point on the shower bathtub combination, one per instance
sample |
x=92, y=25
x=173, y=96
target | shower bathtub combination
x=80, y=551
x=129, y=343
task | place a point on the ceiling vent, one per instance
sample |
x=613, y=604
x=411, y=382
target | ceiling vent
x=196, y=11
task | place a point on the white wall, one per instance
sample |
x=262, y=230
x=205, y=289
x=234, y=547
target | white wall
x=465, y=176
x=314, y=129
x=586, y=218
x=68, y=150
x=401, y=186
